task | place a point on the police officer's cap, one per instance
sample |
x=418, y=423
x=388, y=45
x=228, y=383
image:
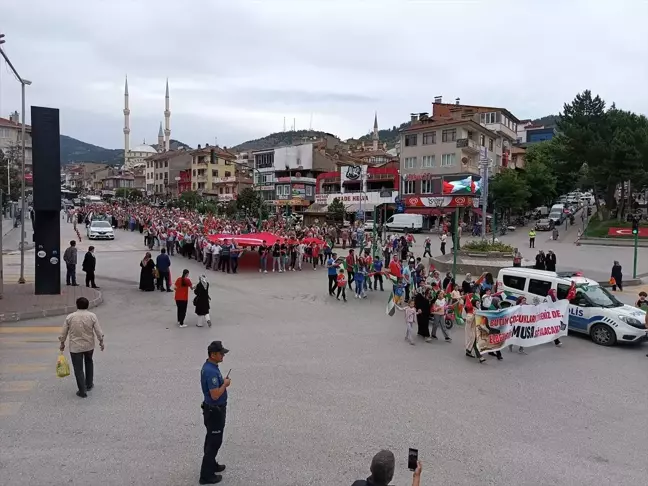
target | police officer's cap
x=217, y=347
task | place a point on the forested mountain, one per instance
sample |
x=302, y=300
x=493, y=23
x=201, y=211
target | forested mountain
x=73, y=150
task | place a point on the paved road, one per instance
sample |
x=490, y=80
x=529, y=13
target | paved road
x=318, y=387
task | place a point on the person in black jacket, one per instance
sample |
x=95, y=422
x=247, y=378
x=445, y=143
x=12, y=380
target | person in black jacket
x=89, y=265
x=550, y=261
x=382, y=471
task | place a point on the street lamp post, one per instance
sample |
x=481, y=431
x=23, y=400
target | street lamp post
x=23, y=83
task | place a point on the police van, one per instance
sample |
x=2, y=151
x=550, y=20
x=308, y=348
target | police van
x=594, y=310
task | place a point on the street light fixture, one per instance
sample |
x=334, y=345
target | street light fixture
x=23, y=83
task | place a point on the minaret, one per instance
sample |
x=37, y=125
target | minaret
x=161, y=144
x=167, y=118
x=374, y=137
x=126, y=123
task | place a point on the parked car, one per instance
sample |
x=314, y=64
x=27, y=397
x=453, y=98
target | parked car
x=544, y=225
x=100, y=230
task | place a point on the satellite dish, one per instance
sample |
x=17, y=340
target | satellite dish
x=464, y=160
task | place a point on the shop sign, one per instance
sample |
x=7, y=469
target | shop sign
x=292, y=202
x=421, y=177
x=438, y=202
x=370, y=197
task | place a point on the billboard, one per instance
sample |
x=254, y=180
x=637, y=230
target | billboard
x=353, y=173
x=296, y=157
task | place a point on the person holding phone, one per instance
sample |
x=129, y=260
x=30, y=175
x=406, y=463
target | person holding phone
x=382, y=470
x=214, y=406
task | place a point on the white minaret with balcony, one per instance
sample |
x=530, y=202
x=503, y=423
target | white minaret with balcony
x=161, y=142
x=126, y=123
x=167, y=118
x=374, y=137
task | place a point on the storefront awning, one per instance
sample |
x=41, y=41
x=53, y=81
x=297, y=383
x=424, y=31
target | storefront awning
x=424, y=211
x=365, y=206
x=478, y=211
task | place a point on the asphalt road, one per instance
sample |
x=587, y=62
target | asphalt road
x=318, y=386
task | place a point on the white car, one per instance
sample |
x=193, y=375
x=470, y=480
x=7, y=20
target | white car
x=100, y=230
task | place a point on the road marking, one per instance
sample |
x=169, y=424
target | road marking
x=9, y=408
x=29, y=329
x=17, y=386
x=26, y=368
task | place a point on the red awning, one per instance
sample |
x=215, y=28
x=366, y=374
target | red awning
x=478, y=212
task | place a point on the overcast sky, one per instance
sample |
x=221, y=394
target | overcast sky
x=237, y=68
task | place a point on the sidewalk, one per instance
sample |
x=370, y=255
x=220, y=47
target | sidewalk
x=19, y=302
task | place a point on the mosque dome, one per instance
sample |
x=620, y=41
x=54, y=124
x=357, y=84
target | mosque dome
x=145, y=149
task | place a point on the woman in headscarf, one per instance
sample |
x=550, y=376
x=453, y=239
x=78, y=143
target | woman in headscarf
x=617, y=275
x=471, y=303
x=147, y=277
x=467, y=285
x=422, y=303
x=201, y=302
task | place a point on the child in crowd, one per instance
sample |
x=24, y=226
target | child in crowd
x=642, y=303
x=359, y=278
x=399, y=291
x=341, y=284
x=410, y=319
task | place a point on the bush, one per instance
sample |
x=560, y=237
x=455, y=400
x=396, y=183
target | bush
x=486, y=245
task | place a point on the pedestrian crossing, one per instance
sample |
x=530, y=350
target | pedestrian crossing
x=27, y=358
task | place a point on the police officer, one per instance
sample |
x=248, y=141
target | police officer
x=214, y=406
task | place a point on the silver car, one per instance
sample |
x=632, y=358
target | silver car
x=100, y=230
x=544, y=225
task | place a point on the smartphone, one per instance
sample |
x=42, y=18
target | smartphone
x=228, y=373
x=412, y=459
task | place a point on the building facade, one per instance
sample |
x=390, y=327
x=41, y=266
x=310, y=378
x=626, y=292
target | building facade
x=287, y=176
x=162, y=170
x=216, y=174
x=11, y=142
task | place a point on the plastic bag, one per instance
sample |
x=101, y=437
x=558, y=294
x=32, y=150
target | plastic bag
x=612, y=281
x=62, y=366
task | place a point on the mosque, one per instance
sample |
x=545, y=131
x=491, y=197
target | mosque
x=137, y=155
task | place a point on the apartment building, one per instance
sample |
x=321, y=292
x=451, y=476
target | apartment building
x=163, y=168
x=287, y=176
x=499, y=121
x=215, y=173
x=11, y=141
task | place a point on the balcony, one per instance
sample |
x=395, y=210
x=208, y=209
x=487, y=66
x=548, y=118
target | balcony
x=200, y=178
x=467, y=145
x=501, y=129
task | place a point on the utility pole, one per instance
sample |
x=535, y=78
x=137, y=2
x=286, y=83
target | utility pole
x=23, y=83
x=455, y=243
x=484, y=166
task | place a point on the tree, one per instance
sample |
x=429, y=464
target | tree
x=11, y=157
x=508, y=192
x=539, y=177
x=189, y=199
x=337, y=210
x=249, y=202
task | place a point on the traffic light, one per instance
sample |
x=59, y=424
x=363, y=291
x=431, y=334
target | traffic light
x=635, y=226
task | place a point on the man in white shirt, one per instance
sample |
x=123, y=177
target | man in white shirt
x=216, y=249
x=444, y=239
x=81, y=327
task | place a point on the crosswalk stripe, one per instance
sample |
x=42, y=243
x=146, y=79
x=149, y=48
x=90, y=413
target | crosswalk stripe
x=9, y=408
x=29, y=329
x=18, y=386
x=25, y=368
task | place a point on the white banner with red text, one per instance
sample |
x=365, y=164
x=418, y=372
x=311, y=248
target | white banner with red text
x=521, y=325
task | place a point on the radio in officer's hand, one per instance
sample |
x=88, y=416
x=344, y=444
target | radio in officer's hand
x=230, y=370
x=412, y=459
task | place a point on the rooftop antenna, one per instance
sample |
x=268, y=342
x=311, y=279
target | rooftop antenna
x=310, y=126
x=294, y=125
x=284, y=124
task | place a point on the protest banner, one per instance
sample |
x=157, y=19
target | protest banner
x=521, y=325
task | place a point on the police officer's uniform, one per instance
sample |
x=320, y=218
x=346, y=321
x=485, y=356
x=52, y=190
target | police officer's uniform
x=214, y=413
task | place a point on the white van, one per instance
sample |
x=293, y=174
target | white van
x=557, y=213
x=405, y=221
x=594, y=310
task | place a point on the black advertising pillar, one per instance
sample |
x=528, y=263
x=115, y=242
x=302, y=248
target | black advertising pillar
x=46, y=156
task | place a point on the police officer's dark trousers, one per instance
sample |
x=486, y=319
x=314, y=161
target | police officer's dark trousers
x=214, y=417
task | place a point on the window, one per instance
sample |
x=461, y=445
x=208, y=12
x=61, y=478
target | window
x=410, y=162
x=447, y=160
x=410, y=187
x=220, y=190
x=490, y=144
x=539, y=287
x=561, y=291
x=166, y=163
x=228, y=173
x=214, y=173
x=193, y=186
x=449, y=135
x=482, y=140
x=428, y=161
x=514, y=282
x=488, y=117
x=194, y=172
x=309, y=190
x=410, y=140
x=426, y=187
x=429, y=138
x=227, y=189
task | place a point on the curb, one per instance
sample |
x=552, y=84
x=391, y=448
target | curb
x=57, y=311
x=631, y=282
x=613, y=242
